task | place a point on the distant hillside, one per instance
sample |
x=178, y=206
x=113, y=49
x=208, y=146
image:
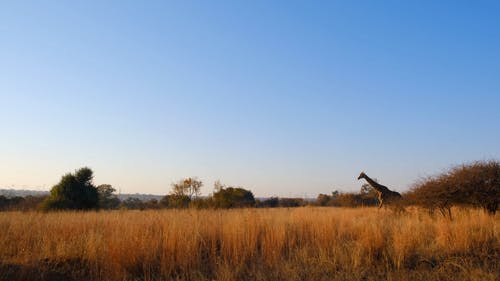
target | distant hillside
x=124, y=196
x=143, y=197
x=24, y=193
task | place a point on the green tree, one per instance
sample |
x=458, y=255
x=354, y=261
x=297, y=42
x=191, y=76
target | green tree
x=107, y=198
x=232, y=197
x=74, y=191
x=182, y=193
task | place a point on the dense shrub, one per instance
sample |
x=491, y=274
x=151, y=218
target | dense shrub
x=272, y=202
x=178, y=201
x=233, y=197
x=74, y=191
x=18, y=203
x=201, y=203
x=476, y=184
x=366, y=197
x=152, y=204
x=9, y=203
x=433, y=193
x=184, y=194
x=292, y=202
x=30, y=202
x=323, y=200
x=165, y=201
x=107, y=198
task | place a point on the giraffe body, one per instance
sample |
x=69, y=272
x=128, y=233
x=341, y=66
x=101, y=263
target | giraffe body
x=385, y=195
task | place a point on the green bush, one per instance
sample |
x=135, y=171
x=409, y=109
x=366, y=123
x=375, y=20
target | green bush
x=107, y=198
x=233, y=197
x=74, y=191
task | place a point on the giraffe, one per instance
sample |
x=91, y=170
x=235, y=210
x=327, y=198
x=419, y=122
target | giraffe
x=385, y=195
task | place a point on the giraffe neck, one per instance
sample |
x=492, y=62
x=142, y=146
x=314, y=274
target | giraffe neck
x=374, y=184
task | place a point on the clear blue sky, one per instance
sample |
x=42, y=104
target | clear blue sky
x=287, y=98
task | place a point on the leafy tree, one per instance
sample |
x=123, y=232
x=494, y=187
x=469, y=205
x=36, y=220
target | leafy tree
x=107, y=198
x=434, y=193
x=475, y=184
x=232, y=197
x=74, y=191
x=182, y=193
x=478, y=184
x=189, y=187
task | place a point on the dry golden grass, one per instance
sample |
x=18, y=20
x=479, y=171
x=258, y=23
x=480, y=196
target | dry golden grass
x=249, y=244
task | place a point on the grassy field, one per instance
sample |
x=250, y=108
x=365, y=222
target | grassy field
x=249, y=244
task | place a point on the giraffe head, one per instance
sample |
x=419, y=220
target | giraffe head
x=362, y=175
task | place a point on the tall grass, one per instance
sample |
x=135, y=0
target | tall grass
x=249, y=244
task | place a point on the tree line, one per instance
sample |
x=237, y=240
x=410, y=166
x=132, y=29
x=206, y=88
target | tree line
x=476, y=184
x=76, y=191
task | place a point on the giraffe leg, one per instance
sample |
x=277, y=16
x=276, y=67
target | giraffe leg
x=380, y=205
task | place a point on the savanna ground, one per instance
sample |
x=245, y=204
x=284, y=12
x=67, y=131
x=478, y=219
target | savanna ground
x=310, y=243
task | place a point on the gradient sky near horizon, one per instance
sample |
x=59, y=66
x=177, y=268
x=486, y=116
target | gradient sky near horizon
x=286, y=98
